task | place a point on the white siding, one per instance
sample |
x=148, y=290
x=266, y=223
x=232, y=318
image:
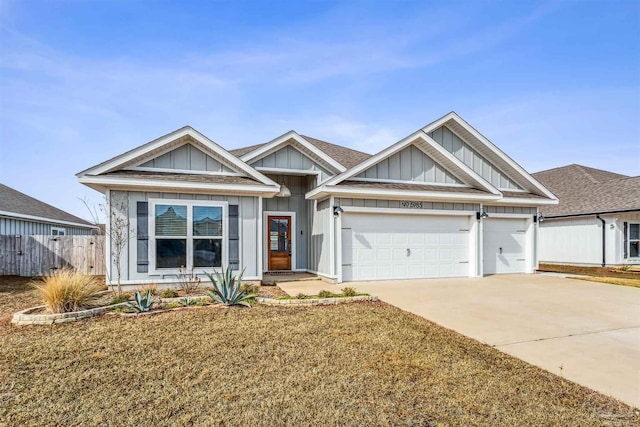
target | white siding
x=575, y=240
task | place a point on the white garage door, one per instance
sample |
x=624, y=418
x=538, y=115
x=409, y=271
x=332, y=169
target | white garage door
x=504, y=245
x=385, y=246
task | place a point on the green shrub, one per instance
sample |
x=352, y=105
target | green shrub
x=68, y=290
x=349, y=292
x=118, y=299
x=227, y=289
x=326, y=294
x=187, y=301
x=174, y=304
x=142, y=302
x=152, y=287
x=168, y=293
x=301, y=296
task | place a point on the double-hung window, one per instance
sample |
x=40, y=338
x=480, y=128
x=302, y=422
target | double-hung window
x=191, y=234
x=633, y=240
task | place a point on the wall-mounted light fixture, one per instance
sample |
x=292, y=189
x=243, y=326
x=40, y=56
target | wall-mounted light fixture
x=482, y=215
x=284, y=191
x=337, y=210
x=538, y=218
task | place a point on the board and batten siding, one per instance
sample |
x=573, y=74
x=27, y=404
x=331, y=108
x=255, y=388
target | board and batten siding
x=532, y=210
x=410, y=164
x=297, y=203
x=397, y=204
x=14, y=226
x=248, y=230
x=320, y=249
x=470, y=157
x=186, y=157
x=289, y=157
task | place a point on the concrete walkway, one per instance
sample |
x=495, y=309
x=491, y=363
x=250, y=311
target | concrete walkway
x=584, y=331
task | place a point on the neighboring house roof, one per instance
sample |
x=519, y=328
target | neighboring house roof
x=13, y=203
x=583, y=190
x=347, y=157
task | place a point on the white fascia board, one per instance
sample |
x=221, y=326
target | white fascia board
x=173, y=185
x=44, y=219
x=273, y=145
x=158, y=143
x=453, y=115
x=528, y=202
x=353, y=192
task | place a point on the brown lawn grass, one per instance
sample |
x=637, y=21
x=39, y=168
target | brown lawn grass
x=354, y=364
x=590, y=271
x=612, y=280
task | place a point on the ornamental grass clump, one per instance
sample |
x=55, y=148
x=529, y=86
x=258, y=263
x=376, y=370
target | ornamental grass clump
x=68, y=290
x=228, y=290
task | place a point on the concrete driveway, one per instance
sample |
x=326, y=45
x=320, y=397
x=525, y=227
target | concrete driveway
x=584, y=331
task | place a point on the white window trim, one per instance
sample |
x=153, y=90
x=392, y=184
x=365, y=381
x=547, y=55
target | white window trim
x=153, y=270
x=629, y=240
x=58, y=229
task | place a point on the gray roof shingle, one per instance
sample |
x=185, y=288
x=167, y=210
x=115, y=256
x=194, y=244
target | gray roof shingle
x=13, y=201
x=347, y=157
x=410, y=187
x=183, y=177
x=583, y=190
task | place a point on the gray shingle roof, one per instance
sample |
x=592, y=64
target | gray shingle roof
x=347, y=157
x=16, y=202
x=410, y=187
x=584, y=190
x=183, y=177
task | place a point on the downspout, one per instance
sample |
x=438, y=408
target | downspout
x=603, y=240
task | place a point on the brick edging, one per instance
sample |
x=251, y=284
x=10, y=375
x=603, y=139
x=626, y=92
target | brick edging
x=314, y=301
x=24, y=317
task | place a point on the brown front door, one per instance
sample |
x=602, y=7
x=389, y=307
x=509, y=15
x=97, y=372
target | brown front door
x=279, y=241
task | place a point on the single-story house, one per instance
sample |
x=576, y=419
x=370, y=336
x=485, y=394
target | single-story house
x=442, y=202
x=596, y=223
x=22, y=215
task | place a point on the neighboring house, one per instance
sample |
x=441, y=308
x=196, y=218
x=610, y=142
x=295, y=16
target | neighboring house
x=23, y=215
x=597, y=221
x=442, y=202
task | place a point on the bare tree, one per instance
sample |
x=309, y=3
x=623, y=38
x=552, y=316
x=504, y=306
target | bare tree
x=117, y=229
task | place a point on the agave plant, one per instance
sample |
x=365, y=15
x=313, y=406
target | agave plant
x=227, y=288
x=142, y=302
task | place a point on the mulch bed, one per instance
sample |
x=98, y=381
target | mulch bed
x=590, y=271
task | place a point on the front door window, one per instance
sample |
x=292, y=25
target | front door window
x=279, y=239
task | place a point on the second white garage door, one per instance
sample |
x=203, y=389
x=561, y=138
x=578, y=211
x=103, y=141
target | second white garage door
x=386, y=246
x=503, y=248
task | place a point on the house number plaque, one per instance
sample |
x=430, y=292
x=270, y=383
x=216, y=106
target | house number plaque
x=411, y=205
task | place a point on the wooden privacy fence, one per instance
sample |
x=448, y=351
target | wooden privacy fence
x=39, y=255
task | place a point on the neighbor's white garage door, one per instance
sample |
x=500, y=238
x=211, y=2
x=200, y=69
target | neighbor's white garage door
x=386, y=246
x=504, y=245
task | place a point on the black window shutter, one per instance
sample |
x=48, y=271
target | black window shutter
x=142, y=239
x=626, y=240
x=234, y=237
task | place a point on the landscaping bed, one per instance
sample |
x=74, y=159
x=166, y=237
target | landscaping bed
x=590, y=271
x=356, y=364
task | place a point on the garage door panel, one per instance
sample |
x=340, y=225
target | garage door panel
x=438, y=245
x=503, y=247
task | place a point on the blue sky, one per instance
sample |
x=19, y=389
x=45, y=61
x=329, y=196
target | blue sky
x=551, y=83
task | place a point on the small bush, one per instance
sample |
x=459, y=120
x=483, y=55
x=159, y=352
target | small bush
x=188, y=281
x=326, y=294
x=68, y=290
x=301, y=296
x=187, y=301
x=168, y=293
x=349, y=292
x=228, y=289
x=625, y=267
x=153, y=288
x=174, y=304
x=118, y=299
x=142, y=302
